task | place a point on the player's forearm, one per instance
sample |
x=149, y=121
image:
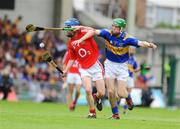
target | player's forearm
x=137, y=70
x=90, y=33
x=64, y=66
x=68, y=66
x=146, y=44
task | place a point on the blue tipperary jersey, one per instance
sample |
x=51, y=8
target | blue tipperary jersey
x=117, y=47
x=132, y=65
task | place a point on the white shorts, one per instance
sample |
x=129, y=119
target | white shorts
x=96, y=71
x=115, y=70
x=130, y=82
x=74, y=78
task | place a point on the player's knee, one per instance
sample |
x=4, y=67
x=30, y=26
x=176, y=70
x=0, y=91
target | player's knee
x=88, y=91
x=101, y=93
x=123, y=94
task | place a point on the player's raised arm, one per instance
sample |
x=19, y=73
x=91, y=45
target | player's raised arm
x=90, y=33
x=147, y=44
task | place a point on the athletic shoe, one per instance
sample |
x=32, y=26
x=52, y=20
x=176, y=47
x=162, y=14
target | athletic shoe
x=91, y=115
x=115, y=117
x=130, y=103
x=98, y=102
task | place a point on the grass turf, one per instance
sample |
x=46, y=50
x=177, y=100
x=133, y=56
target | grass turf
x=27, y=115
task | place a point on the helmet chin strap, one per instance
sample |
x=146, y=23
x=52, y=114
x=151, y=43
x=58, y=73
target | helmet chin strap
x=121, y=30
x=116, y=34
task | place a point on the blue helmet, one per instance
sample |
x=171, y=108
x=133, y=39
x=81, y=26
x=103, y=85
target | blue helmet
x=72, y=22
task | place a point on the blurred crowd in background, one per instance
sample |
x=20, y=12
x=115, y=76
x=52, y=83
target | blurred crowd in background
x=21, y=64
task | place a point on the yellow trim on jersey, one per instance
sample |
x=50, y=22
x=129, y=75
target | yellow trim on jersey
x=117, y=50
x=130, y=67
x=126, y=36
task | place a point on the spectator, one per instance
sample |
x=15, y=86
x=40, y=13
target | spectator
x=6, y=83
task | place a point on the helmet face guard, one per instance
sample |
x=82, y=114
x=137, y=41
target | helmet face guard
x=121, y=23
x=72, y=22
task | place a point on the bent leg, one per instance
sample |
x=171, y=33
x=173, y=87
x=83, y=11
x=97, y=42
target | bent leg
x=122, y=92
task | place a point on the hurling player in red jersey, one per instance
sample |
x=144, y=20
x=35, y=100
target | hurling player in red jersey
x=90, y=68
x=73, y=81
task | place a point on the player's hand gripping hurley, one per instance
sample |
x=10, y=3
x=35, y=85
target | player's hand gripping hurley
x=49, y=59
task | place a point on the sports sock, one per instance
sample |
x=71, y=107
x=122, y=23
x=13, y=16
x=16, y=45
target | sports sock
x=115, y=110
x=92, y=110
x=125, y=107
x=75, y=101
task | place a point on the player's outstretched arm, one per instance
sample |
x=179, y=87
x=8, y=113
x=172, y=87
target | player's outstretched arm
x=90, y=33
x=147, y=44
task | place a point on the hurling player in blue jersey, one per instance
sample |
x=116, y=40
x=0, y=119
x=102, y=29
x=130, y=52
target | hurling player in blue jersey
x=116, y=66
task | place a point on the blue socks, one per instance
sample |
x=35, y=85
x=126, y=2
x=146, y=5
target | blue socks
x=115, y=110
x=125, y=107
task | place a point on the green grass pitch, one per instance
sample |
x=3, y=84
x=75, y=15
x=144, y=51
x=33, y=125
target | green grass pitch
x=27, y=115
